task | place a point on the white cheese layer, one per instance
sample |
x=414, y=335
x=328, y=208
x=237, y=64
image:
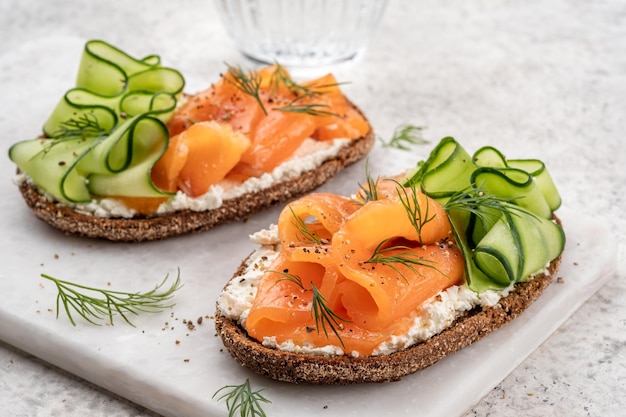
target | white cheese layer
x=431, y=318
x=309, y=156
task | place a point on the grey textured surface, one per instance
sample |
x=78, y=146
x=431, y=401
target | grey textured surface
x=526, y=76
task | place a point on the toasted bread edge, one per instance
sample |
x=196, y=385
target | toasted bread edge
x=138, y=229
x=316, y=369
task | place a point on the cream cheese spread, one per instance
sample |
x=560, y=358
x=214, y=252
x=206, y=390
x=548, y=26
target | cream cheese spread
x=309, y=156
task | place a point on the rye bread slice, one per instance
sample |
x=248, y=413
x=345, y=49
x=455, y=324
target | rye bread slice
x=314, y=369
x=144, y=228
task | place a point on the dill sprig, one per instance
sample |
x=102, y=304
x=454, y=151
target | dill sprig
x=74, y=129
x=286, y=276
x=248, y=83
x=85, y=126
x=240, y=399
x=306, y=235
x=417, y=215
x=480, y=203
x=301, y=93
x=96, y=304
x=280, y=77
x=324, y=316
x=404, y=137
x=368, y=192
x=312, y=109
x=382, y=255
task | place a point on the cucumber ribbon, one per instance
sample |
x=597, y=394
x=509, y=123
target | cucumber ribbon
x=106, y=133
x=505, y=242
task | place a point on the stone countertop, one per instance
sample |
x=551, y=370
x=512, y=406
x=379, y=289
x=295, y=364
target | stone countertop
x=537, y=79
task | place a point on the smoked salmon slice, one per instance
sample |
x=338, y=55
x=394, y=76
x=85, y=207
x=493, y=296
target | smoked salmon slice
x=273, y=111
x=276, y=137
x=308, y=224
x=223, y=102
x=199, y=157
x=374, y=265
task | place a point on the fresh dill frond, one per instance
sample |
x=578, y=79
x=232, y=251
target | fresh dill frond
x=85, y=126
x=418, y=216
x=96, y=305
x=306, y=236
x=325, y=316
x=404, y=137
x=248, y=83
x=481, y=203
x=286, y=276
x=312, y=109
x=241, y=400
x=401, y=256
x=280, y=78
x=368, y=192
x=321, y=312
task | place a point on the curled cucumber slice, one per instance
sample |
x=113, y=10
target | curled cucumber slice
x=542, y=177
x=500, y=210
x=518, y=232
x=119, y=164
x=107, y=132
x=108, y=79
x=446, y=171
x=54, y=166
x=513, y=184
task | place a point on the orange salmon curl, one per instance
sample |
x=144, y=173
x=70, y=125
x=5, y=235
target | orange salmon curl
x=251, y=122
x=375, y=263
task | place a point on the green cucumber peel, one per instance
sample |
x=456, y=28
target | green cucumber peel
x=515, y=184
x=491, y=157
x=521, y=243
x=54, y=167
x=542, y=178
x=112, y=85
x=501, y=211
x=446, y=171
x=106, y=133
x=488, y=156
x=118, y=164
x=476, y=279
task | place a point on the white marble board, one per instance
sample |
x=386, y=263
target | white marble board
x=173, y=370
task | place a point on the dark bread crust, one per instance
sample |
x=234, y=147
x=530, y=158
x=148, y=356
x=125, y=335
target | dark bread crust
x=300, y=368
x=143, y=228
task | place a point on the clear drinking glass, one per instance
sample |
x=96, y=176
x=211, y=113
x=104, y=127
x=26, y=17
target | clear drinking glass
x=301, y=33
